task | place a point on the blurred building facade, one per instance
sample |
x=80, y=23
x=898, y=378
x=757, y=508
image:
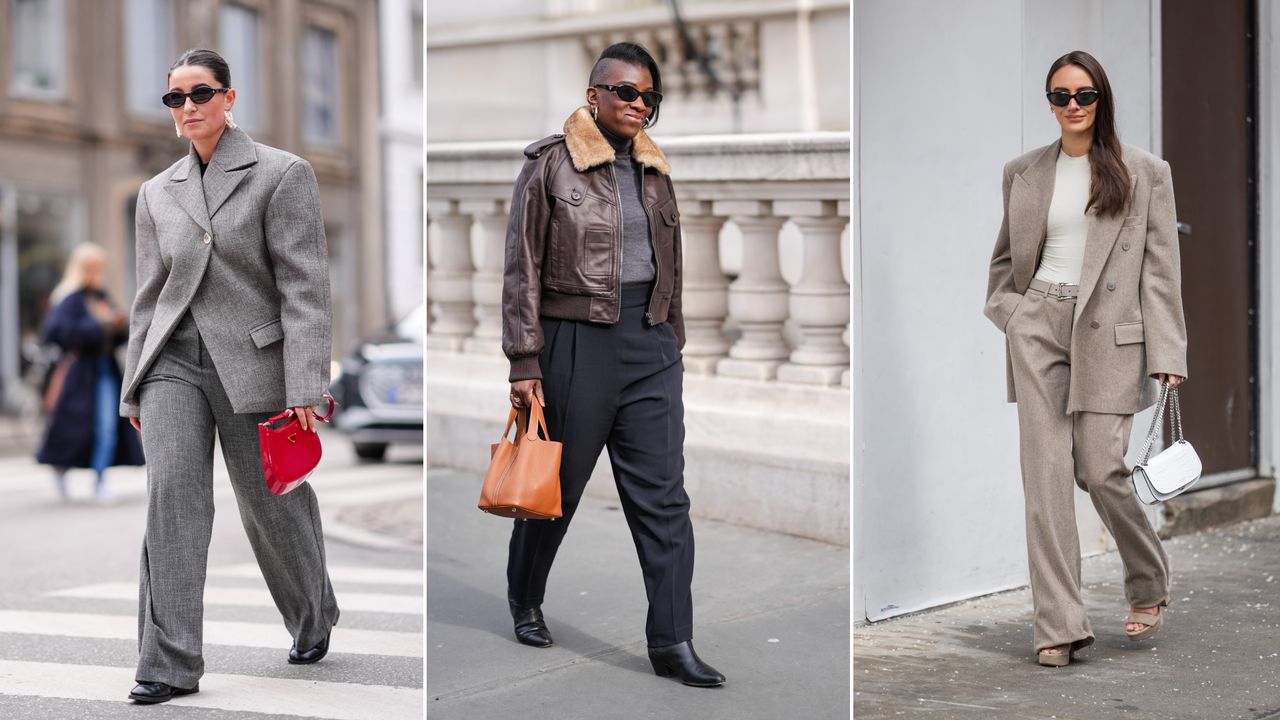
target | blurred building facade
x=755, y=122
x=82, y=126
x=945, y=94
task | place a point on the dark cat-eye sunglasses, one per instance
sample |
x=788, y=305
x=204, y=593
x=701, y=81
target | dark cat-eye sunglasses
x=629, y=94
x=199, y=96
x=1062, y=98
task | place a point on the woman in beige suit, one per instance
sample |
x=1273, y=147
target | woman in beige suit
x=1085, y=282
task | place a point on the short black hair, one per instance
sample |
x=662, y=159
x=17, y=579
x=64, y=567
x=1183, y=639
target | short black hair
x=208, y=59
x=635, y=55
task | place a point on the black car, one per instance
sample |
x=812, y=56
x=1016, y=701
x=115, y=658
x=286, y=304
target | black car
x=378, y=388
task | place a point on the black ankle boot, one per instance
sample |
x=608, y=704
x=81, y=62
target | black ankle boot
x=531, y=629
x=682, y=663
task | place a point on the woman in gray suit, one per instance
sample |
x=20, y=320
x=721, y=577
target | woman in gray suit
x=1086, y=284
x=231, y=324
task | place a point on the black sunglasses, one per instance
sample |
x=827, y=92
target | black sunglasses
x=1062, y=98
x=626, y=93
x=199, y=96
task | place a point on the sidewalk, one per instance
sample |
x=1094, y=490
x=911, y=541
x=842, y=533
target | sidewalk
x=771, y=613
x=1216, y=658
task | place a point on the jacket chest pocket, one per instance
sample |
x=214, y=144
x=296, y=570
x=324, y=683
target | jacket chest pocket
x=666, y=222
x=597, y=252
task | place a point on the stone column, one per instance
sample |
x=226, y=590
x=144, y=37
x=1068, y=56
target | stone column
x=705, y=295
x=758, y=297
x=450, y=278
x=819, y=302
x=486, y=284
x=843, y=208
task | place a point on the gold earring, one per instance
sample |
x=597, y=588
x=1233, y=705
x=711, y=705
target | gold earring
x=231, y=121
x=595, y=111
x=177, y=129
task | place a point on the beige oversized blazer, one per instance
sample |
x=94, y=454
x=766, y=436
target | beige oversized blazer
x=1128, y=321
x=243, y=249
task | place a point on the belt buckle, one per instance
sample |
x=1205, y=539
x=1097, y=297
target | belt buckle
x=1069, y=294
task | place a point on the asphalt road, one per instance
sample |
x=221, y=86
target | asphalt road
x=68, y=603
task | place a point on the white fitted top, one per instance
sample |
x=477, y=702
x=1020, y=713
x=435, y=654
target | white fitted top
x=1063, y=255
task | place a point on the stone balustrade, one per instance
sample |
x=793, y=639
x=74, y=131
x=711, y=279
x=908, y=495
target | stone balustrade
x=751, y=323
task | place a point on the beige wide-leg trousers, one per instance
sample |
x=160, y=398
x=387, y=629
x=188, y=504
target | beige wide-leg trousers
x=1058, y=450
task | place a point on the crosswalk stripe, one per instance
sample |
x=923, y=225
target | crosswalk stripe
x=236, y=693
x=257, y=597
x=242, y=634
x=337, y=573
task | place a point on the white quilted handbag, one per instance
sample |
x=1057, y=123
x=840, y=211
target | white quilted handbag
x=1176, y=468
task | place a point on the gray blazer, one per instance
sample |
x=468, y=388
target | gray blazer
x=242, y=248
x=1128, y=322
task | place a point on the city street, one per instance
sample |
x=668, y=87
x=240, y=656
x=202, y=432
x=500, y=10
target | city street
x=1216, y=658
x=771, y=612
x=68, y=600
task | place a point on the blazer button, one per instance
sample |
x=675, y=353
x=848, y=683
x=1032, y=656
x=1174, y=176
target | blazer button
x=1095, y=325
x=207, y=238
x=1111, y=286
x=1124, y=245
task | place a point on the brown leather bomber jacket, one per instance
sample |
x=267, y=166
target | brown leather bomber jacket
x=564, y=239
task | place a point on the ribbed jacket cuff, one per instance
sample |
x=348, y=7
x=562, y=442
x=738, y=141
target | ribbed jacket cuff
x=525, y=367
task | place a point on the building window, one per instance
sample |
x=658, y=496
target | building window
x=240, y=35
x=149, y=30
x=39, y=42
x=321, y=87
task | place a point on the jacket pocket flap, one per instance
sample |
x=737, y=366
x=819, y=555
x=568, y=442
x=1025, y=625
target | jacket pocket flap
x=267, y=333
x=671, y=215
x=572, y=195
x=1134, y=220
x=1129, y=333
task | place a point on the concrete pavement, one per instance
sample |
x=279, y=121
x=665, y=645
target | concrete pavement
x=1216, y=658
x=771, y=613
x=68, y=602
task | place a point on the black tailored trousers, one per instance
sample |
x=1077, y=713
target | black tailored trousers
x=617, y=387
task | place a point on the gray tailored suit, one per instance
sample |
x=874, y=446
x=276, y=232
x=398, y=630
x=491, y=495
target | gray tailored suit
x=231, y=324
x=1079, y=368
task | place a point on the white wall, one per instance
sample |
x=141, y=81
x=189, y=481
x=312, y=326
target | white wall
x=946, y=94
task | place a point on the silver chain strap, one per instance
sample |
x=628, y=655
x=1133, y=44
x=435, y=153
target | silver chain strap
x=1167, y=395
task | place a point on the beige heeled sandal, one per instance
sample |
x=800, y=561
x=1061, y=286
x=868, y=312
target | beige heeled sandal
x=1058, y=659
x=1150, y=622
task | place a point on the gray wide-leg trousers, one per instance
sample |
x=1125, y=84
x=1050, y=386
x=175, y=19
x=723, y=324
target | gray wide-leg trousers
x=182, y=403
x=1059, y=451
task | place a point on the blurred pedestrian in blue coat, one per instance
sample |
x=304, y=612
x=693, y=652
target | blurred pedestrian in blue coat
x=85, y=429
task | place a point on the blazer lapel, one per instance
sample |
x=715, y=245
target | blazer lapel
x=1029, y=199
x=1103, y=231
x=188, y=191
x=228, y=167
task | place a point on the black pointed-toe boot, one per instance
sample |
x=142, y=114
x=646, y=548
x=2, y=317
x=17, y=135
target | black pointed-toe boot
x=682, y=663
x=531, y=629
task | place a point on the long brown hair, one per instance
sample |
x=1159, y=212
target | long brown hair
x=1109, y=184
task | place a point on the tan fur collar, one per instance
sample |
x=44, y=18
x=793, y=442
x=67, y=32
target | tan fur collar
x=589, y=148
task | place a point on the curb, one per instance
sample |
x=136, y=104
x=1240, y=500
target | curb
x=1225, y=505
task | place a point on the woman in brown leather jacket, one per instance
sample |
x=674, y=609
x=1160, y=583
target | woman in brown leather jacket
x=592, y=327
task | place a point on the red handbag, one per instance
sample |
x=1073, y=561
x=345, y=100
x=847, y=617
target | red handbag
x=289, y=453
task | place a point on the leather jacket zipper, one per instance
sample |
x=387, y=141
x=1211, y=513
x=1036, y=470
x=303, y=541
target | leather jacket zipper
x=657, y=266
x=617, y=256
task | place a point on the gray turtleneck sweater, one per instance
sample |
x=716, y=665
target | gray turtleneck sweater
x=637, y=250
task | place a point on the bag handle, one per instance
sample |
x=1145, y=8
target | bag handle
x=537, y=421
x=518, y=419
x=288, y=413
x=1168, y=396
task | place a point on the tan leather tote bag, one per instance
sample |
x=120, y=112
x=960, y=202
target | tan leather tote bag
x=523, y=480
